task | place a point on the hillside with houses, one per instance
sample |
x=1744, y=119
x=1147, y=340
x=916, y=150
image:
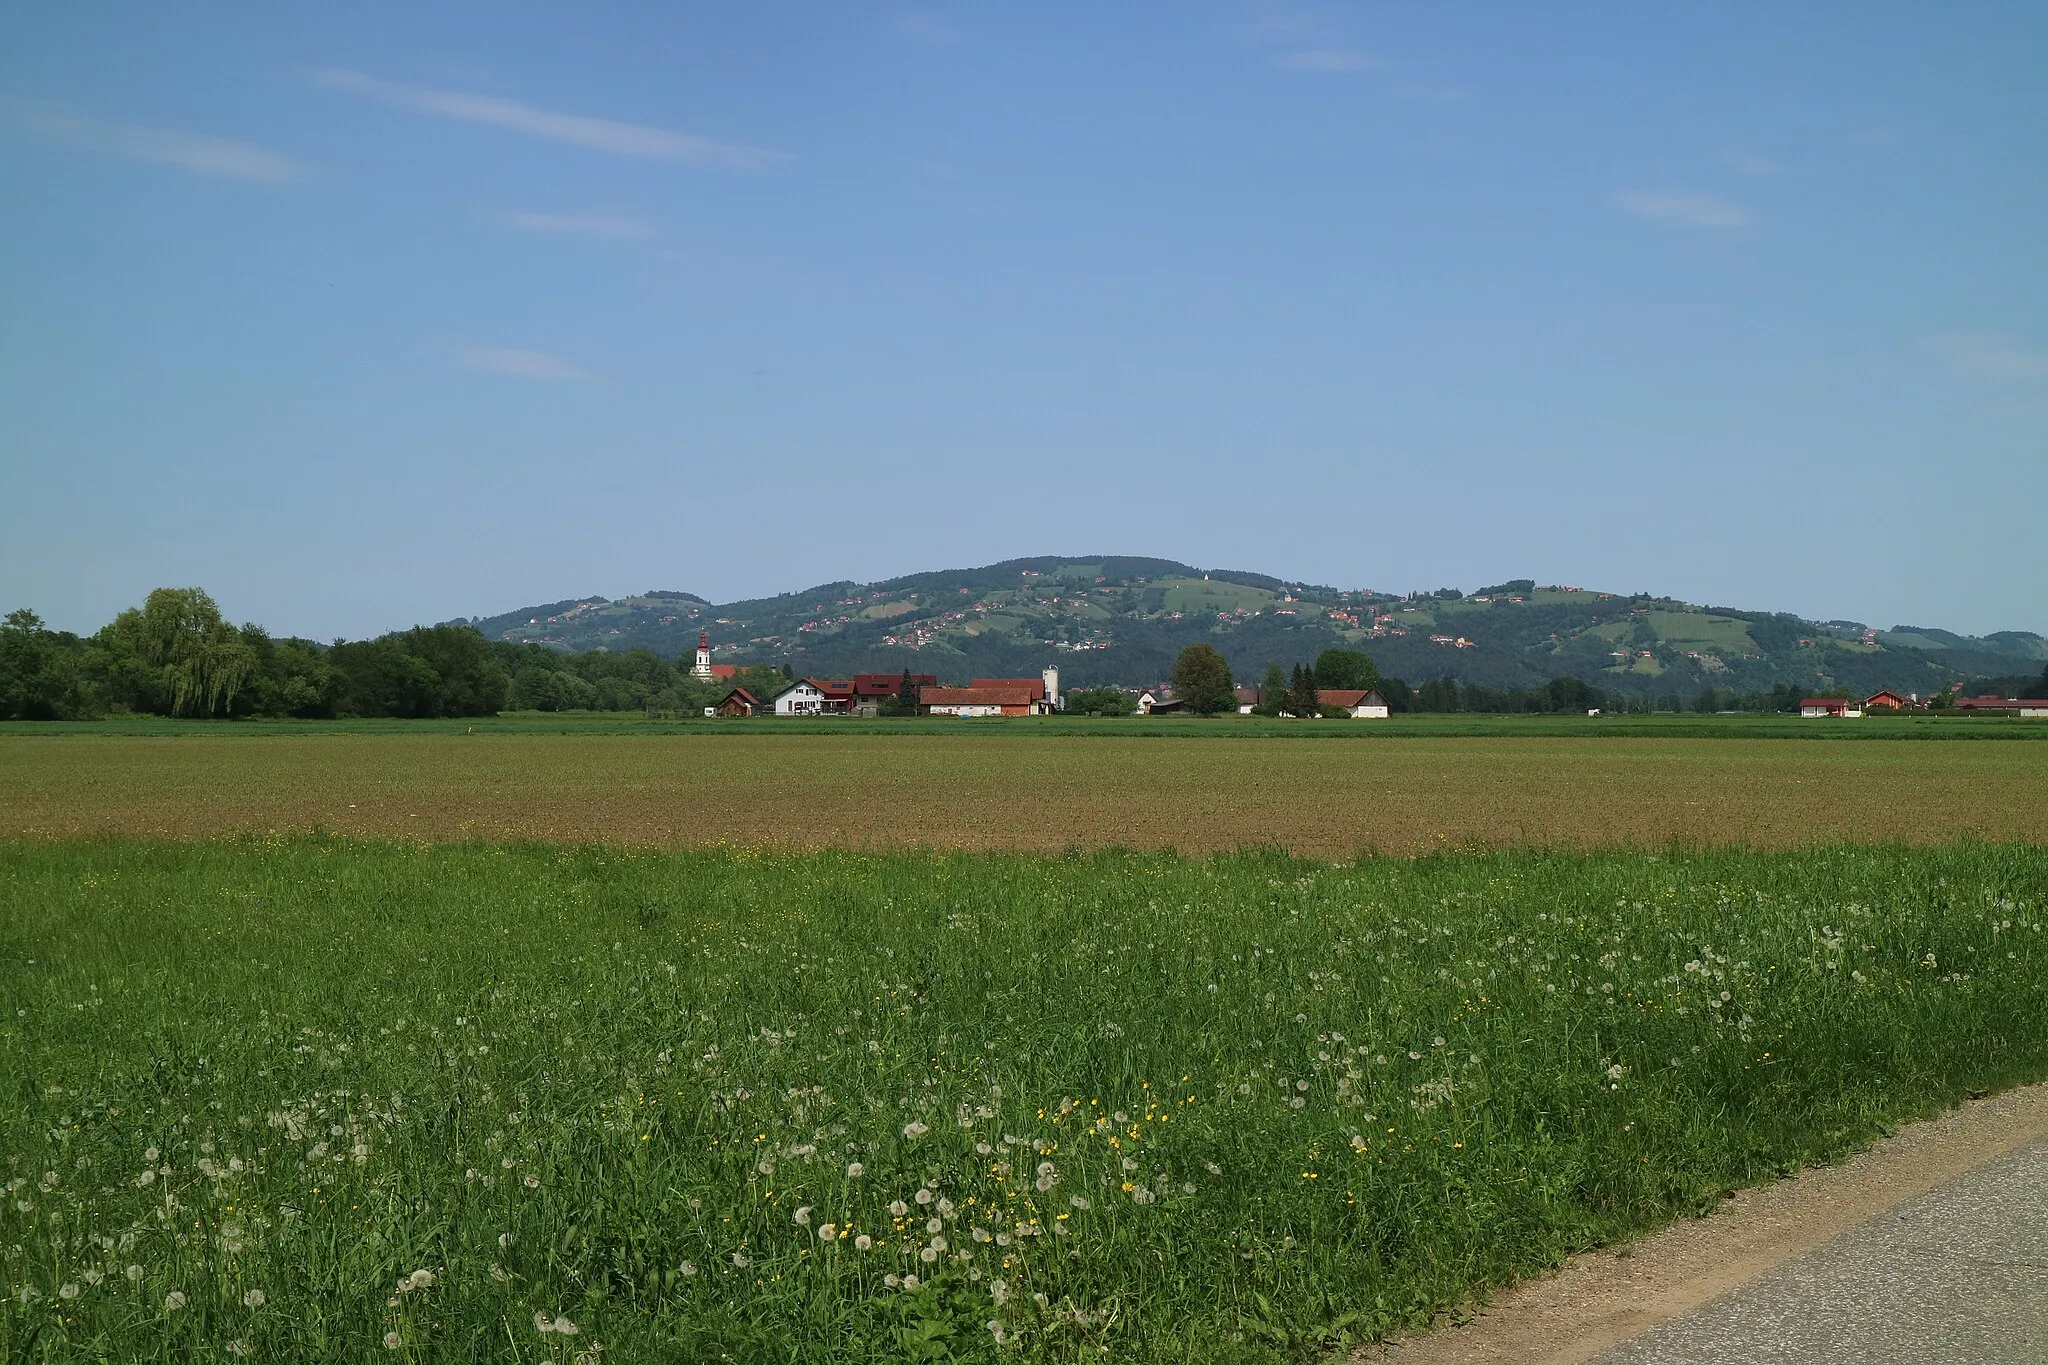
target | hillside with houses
x=1121, y=621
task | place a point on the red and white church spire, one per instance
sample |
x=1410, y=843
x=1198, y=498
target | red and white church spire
x=702, y=672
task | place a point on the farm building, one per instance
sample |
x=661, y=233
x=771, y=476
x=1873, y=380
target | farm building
x=1889, y=700
x=1159, y=702
x=738, y=702
x=1828, y=706
x=1044, y=689
x=2025, y=706
x=1360, y=705
x=977, y=701
x=1247, y=698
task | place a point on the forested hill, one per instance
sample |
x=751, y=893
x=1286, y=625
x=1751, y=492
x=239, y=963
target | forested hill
x=1122, y=620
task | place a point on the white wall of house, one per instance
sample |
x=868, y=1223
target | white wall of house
x=801, y=700
x=971, y=710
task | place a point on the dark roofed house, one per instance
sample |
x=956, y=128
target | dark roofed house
x=1247, y=698
x=2024, y=706
x=870, y=688
x=738, y=702
x=1830, y=706
x=1889, y=700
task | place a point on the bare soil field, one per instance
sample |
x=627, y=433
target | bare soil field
x=993, y=791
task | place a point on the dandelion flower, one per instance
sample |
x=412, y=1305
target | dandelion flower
x=854, y=1170
x=175, y=1299
x=827, y=1231
x=739, y=1258
x=419, y=1279
x=897, y=1208
x=689, y=1268
x=924, y=1196
x=253, y=1299
x=564, y=1327
x=911, y=1282
x=914, y=1129
x=391, y=1341
x=892, y=1280
x=543, y=1323
x=1078, y=1202
x=863, y=1242
x=134, y=1274
x=803, y=1216
x=67, y=1291
x=928, y=1255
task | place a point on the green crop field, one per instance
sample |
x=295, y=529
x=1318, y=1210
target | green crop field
x=321, y=1099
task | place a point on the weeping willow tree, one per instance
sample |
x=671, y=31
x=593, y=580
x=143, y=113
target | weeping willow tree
x=203, y=661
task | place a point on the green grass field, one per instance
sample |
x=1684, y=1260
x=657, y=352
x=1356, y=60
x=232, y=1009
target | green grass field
x=313, y=1099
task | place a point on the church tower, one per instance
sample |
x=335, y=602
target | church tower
x=702, y=672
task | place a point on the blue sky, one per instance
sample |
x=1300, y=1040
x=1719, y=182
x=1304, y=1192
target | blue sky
x=372, y=314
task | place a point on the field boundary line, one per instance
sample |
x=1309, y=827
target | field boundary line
x=1599, y=1299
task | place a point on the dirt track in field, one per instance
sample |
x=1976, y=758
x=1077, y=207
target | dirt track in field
x=1601, y=1299
x=1029, y=792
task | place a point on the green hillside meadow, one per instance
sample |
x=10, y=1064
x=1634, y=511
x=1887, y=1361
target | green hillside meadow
x=312, y=1099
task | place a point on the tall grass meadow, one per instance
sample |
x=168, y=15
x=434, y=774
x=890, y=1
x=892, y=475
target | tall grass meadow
x=311, y=1098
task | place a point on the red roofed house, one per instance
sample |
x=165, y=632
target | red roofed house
x=1828, y=706
x=978, y=701
x=1889, y=700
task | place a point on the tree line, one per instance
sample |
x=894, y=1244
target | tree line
x=176, y=655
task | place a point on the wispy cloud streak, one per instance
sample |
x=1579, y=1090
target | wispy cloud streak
x=598, y=134
x=195, y=153
x=1745, y=162
x=1994, y=357
x=1686, y=210
x=524, y=364
x=1336, y=60
x=602, y=227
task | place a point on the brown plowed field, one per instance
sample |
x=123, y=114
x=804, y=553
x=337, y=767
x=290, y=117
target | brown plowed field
x=1029, y=792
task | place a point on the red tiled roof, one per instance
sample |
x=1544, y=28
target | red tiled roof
x=1035, y=686
x=888, y=684
x=725, y=670
x=740, y=694
x=1347, y=697
x=974, y=696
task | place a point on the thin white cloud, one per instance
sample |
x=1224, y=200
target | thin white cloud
x=525, y=364
x=603, y=227
x=218, y=158
x=1687, y=210
x=599, y=134
x=1328, y=59
x=1432, y=94
x=1743, y=161
x=924, y=26
x=1994, y=357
